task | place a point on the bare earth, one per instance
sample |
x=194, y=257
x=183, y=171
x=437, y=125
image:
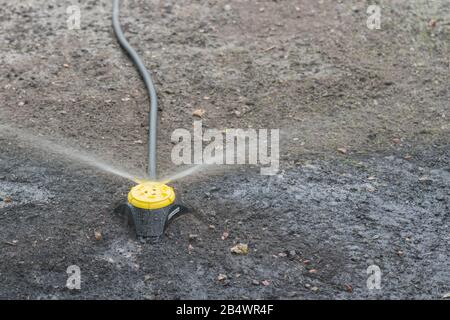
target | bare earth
x=310, y=68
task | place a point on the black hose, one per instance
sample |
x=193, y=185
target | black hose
x=153, y=113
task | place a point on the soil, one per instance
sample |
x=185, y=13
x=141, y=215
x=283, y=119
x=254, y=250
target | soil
x=365, y=164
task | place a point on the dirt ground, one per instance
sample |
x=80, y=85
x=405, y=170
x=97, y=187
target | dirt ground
x=310, y=68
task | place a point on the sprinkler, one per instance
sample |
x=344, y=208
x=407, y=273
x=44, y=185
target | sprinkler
x=151, y=205
x=150, y=208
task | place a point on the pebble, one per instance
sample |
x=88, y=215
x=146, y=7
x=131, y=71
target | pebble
x=222, y=277
x=193, y=237
x=426, y=180
x=292, y=253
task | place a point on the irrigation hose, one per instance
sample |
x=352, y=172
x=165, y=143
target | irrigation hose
x=153, y=113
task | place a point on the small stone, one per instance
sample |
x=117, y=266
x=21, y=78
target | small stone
x=342, y=150
x=193, y=237
x=265, y=283
x=225, y=235
x=314, y=289
x=222, y=277
x=227, y=7
x=425, y=180
x=291, y=294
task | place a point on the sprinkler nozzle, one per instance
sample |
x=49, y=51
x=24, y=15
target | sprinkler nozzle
x=151, y=195
x=150, y=208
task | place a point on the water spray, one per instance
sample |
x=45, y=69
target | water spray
x=151, y=205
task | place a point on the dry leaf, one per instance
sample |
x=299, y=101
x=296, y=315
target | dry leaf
x=240, y=248
x=198, y=113
x=97, y=235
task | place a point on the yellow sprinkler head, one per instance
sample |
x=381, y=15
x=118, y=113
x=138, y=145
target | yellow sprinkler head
x=151, y=195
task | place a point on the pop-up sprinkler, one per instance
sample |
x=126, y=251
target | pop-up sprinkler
x=150, y=208
x=151, y=205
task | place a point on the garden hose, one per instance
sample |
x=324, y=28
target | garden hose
x=153, y=113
